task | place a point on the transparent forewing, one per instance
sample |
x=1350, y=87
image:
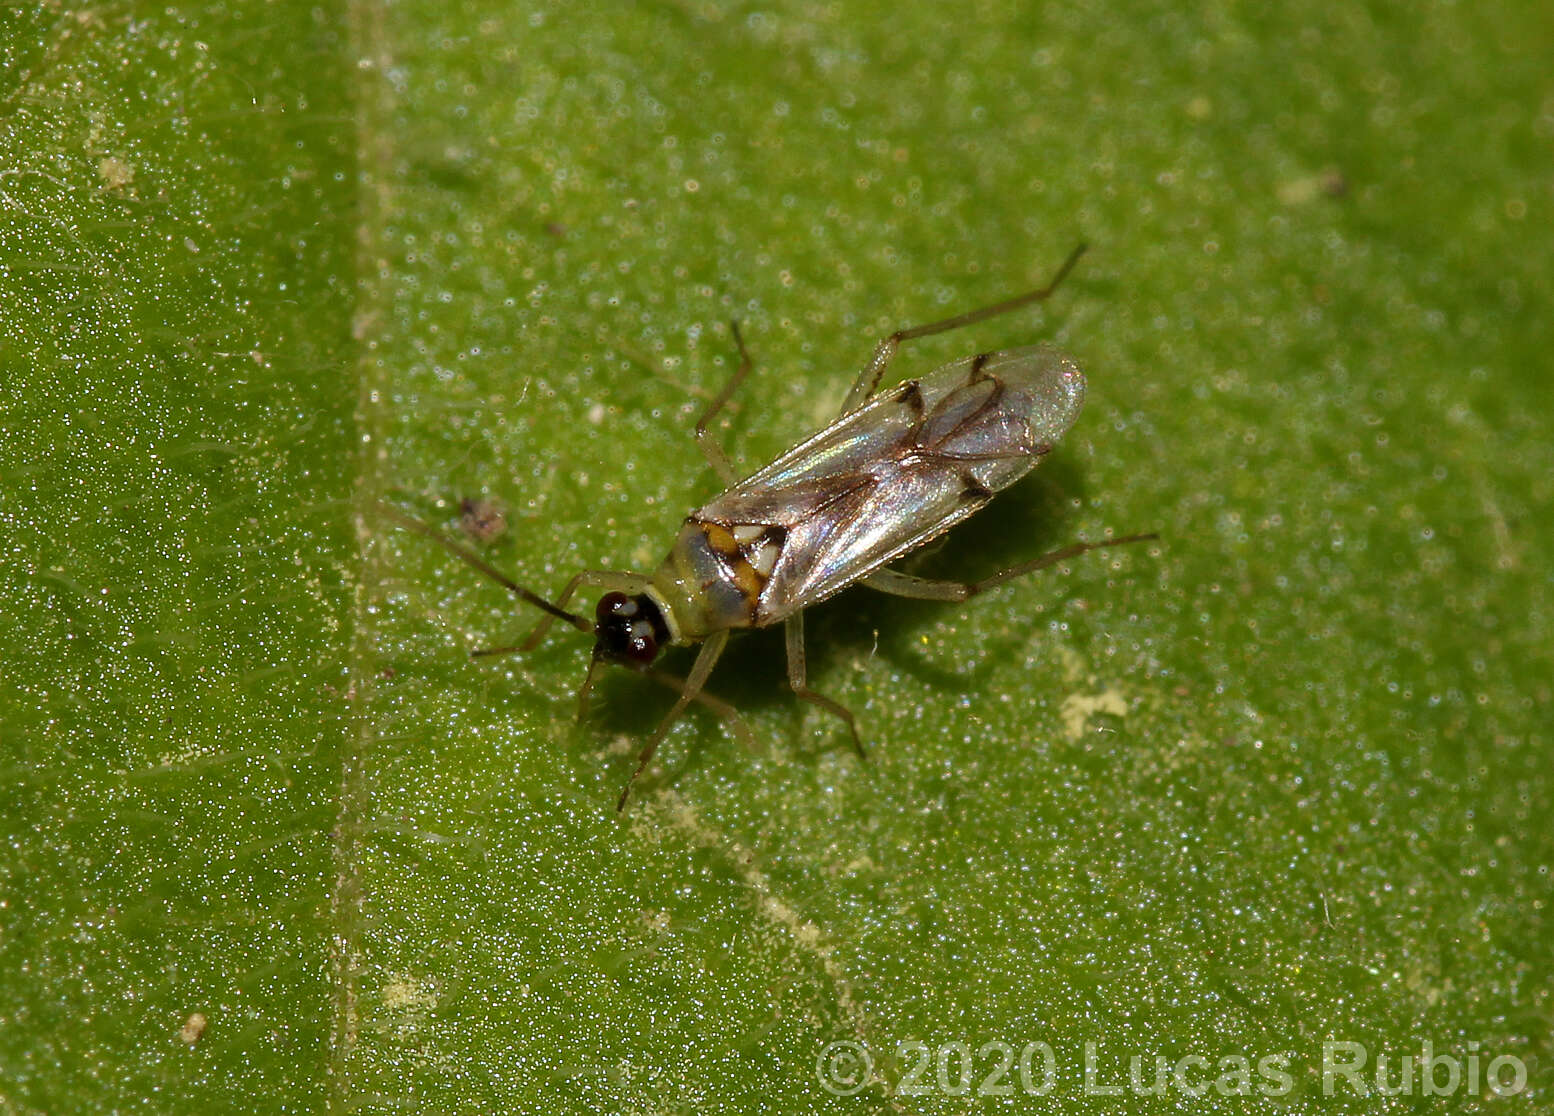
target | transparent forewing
x=901, y=469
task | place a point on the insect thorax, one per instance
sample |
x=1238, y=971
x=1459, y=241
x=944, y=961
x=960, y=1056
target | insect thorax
x=715, y=574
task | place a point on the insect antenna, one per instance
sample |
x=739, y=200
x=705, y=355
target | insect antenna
x=481, y=566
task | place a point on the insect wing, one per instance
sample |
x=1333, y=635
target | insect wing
x=900, y=470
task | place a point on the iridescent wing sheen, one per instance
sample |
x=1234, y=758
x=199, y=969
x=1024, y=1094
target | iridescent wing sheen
x=899, y=470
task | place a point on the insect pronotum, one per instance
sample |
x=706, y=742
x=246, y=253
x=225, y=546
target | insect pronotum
x=896, y=469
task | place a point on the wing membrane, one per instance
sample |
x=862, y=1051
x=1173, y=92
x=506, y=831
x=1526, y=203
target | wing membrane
x=900, y=470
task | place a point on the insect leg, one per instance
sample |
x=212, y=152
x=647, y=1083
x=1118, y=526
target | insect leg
x=722, y=708
x=709, y=447
x=869, y=379
x=706, y=659
x=793, y=629
x=922, y=588
x=622, y=580
x=717, y=705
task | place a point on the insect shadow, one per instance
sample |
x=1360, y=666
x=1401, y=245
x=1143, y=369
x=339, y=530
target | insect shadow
x=1028, y=518
x=858, y=624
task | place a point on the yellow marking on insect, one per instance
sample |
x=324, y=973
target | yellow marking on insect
x=721, y=539
x=748, y=581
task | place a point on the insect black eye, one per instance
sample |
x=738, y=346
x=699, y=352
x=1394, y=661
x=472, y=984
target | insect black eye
x=641, y=646
x=627, y=629
x=612, y=605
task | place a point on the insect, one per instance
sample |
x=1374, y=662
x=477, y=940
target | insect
x=896, y=469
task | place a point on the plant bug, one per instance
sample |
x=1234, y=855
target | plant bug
x=895, y=470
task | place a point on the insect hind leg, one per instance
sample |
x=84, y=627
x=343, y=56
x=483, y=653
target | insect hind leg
x=714, y=453
x=869, y=379
x=793, y=631
x=927, y=589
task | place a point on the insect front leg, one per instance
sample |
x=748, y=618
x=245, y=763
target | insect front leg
x=869, y=379
x=717, y=705
x=706, y=659
x=709, y=447
x=793, y=631
x=928, y=589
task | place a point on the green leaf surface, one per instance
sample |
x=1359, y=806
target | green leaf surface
x=274, y=843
